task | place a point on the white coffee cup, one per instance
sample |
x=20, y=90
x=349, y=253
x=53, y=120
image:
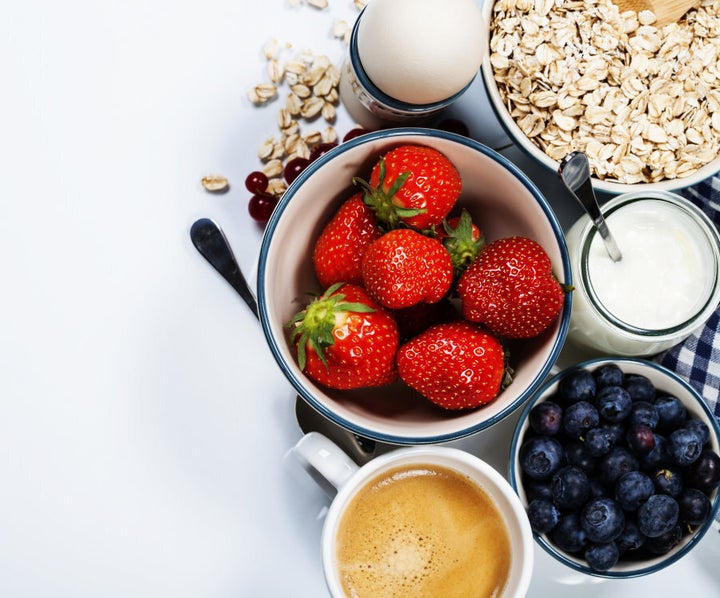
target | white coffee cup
x=333, y=469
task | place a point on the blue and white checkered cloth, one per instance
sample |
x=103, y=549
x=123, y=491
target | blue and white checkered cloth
x=697, y=359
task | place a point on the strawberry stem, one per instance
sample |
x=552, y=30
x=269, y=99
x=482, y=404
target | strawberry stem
x=314, y=325
x=460, y=244
x=381, y=202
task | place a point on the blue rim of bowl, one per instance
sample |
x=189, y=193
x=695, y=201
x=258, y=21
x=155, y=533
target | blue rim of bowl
x=389, y=135
x=515, y=483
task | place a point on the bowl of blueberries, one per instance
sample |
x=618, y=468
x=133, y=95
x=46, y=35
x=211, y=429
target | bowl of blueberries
x=617, y=463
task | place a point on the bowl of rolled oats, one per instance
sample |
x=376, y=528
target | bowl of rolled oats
x=643, y=102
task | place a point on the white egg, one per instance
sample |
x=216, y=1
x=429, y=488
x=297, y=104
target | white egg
x=421, y=51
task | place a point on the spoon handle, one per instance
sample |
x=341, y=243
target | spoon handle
x=212, y=244
x=575, y=173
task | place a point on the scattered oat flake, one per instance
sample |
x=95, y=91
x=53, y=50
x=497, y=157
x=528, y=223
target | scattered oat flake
x=307, y=84
x=215, y=183
x=340, y=29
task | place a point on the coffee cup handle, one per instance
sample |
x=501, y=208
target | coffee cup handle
x=327, y=463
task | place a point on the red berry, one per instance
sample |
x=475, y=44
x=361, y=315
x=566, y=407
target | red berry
x=403, y=267
x=261, y=207
x=320, y=149
x=352, y=133
x=511, y=288
x=345, y=340
x=412, y=185
x=256, y=182
x=293, y=168
x=338, y=252
x=456, y=365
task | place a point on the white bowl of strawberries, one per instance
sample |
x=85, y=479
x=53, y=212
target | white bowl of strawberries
x=413, y=286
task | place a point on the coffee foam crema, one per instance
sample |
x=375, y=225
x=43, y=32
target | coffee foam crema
x=422, y=531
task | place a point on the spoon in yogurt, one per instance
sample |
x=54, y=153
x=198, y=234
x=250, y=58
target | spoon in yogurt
x=574, y=172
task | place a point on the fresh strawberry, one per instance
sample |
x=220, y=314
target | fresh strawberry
x=404, y=267
x=412, y=184
x=342, y=243
x=345, y=339
x=413, y=320
x=511, y=289
x=463, y=240
x=458, y=365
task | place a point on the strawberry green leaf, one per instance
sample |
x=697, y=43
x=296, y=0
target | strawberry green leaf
x=461, y=244
x=314, y=325
x=387, y=212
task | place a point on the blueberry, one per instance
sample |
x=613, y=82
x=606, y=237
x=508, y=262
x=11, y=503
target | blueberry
x=579, y=418
x=546, y=418
x=568, y=534
x=671, y=411
x=613, y=403
x=616, y=463
x=700, y=427
x=668, y=480
x=658, y=456
x=543, y=515
x=639, y=387
x=616, y=430
x=598, y=489
x=598, y=441
x=704, y=473
x=602, y=520
x=695, y=506
x=644, y=413
x=541, y=457
x=631, y=538
x=633, y=489
x=608, y=375
x=640, y=439
x=577, y=454
x=601, y=557
x=658, y=515
x=570, y=487
x=578, y=385
x=665, y=542
x=537, y=489
x=684, y=446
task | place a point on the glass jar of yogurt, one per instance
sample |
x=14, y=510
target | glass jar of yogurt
x=666, y=285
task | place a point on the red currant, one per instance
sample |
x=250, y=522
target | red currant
x=293, y=168
x=256, y=182
x=352, y=133
x=320, y=149
x=261, y=207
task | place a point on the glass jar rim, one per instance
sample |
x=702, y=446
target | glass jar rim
x=710, y=236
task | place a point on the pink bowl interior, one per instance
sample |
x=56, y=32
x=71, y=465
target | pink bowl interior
x=502, y=201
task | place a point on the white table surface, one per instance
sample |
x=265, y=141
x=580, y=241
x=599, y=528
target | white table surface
x=144, y=425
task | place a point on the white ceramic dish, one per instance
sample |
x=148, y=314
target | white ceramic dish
x=531, y=149
x=664, y=380
x=504, y=202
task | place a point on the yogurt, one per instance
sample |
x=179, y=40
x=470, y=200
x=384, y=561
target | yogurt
x=665, y=286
